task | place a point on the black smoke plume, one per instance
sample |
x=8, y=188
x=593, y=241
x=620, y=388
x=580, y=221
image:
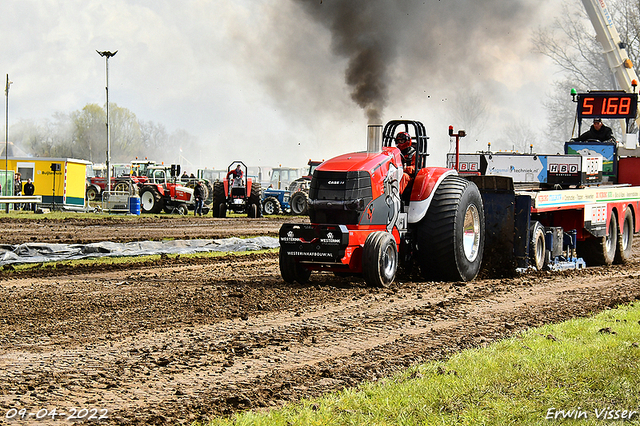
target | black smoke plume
x=435, y=40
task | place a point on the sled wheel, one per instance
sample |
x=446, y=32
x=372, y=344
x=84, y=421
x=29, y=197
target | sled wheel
x=600, y=250
x=537, y=245
x=291, y=270
x=450, y=238
x=379, y=259
x=625, y=239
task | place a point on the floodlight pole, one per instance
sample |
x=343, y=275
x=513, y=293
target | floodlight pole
x=6, y=139
x=106, y=54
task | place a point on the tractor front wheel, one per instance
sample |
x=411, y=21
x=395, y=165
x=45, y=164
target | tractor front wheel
x=291, y=270
x=182, y=209
x=379, y=259
x=450, y=238
x=299, y=205
x=92, y=194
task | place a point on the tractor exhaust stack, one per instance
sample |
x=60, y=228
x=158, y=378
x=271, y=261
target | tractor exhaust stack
x=374, y=138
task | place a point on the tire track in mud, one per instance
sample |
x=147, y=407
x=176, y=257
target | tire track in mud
x=170, y=372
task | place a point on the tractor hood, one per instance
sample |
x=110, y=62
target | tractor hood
x=360, y=161
x=184, y=194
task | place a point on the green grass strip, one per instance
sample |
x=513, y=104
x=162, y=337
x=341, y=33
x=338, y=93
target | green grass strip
x=583, y=371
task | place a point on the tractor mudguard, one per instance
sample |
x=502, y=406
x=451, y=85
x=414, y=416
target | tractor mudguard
x=424, y=186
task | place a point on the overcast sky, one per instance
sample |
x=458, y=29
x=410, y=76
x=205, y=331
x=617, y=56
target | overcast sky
x=266, y=82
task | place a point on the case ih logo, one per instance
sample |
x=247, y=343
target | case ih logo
x=563, y=168
x=335, y=182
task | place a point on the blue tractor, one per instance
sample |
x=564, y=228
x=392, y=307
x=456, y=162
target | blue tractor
x=275, y=201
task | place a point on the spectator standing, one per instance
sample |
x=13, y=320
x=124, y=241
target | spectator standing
x=17, y=190
x=28, y=190
x=198, y=193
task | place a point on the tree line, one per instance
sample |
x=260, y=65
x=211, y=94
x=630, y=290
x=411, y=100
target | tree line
x=82, y=134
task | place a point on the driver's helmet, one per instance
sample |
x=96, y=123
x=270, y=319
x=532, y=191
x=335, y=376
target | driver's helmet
x=403, y=140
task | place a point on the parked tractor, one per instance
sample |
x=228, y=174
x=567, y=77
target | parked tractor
x=275, y=201
x=163, y=192
x=126, y=177
x=239, y=194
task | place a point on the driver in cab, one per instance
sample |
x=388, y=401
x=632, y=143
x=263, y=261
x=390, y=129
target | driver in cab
x=598, y=132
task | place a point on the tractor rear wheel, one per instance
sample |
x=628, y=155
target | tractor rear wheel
x=271, y=205
x=151, y=200
x=450, y=238
x=291, y=270
x=600, y=251
x=254, y=207
x=537, y=246
x=299, y=204
x=122, y=187
x=379, y=259
x=625, y=239
x=219, y=199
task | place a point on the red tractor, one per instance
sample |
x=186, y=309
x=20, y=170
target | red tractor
x=162, y=192
x=237, y=193
x=362, y=225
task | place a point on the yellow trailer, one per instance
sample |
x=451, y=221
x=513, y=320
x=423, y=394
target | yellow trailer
x=60, y=181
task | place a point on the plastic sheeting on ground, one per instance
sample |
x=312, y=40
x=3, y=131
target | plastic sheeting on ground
x=42, y=252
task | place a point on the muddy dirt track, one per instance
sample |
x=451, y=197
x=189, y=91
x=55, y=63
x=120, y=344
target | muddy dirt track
x=185, y=339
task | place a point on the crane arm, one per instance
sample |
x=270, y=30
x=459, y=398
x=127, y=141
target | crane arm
x=615, y=55
x=614, y=51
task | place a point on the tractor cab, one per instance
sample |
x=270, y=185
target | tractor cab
x=418, y=135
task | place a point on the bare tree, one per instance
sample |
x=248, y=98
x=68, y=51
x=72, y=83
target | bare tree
x=520, y=136
x=470, y=110
x=570, y=42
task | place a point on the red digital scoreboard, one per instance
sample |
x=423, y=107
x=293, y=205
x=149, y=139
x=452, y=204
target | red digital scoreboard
x=607, y=105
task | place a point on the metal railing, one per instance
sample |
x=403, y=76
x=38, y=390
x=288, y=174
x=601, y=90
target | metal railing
x=115, y=201
x=20, y=199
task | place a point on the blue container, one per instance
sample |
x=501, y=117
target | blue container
x=134, y=205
